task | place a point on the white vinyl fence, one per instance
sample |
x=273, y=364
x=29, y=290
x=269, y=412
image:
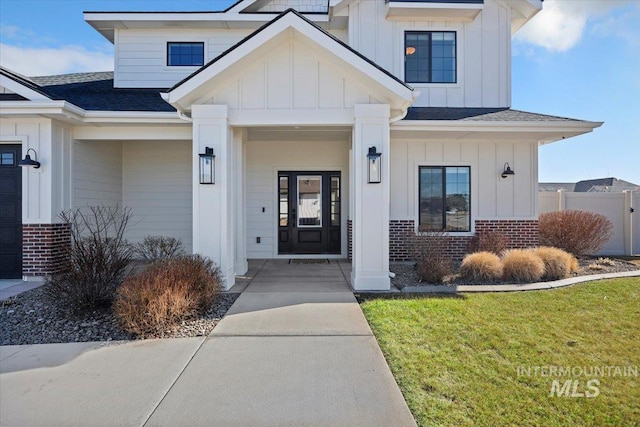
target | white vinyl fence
x=622, y=209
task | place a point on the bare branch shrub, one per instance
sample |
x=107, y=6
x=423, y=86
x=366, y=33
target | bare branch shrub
x=489, y=241
x=156, y=248
x=577, y=232
x=522, y=265
x=481, y=267
x=97, y=260
x=166, y=293
x=430, y=252
x=557, y=263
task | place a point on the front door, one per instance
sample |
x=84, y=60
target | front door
x=309, y=212
x=10, y=212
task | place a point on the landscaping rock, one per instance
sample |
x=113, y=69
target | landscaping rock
x=29, y=318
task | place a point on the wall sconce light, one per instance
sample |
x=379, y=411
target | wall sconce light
x=507, y=171
x=375, y=169
x=27, y=160
x=207, y=166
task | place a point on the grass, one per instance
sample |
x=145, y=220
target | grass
x=456, y=358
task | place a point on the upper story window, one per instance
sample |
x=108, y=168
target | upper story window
x=430, y=57
x=185, y=53
x=444, y=199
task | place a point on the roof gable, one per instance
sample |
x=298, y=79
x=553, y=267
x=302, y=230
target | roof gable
x=21, y=86
x=289, y=27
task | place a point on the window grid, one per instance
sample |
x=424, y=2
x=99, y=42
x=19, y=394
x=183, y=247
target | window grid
x=185, y=53
x=430, y=56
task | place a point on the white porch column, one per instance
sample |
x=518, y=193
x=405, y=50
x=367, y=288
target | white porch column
x=370, y=263
x=241, y=265
x=213, y=205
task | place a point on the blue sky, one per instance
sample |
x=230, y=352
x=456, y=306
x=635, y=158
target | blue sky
x=578, y=59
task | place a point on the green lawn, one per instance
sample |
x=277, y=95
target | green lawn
x=456, y=358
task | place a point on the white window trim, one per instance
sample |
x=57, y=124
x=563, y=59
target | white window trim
x=458, y=28
x=416, y=195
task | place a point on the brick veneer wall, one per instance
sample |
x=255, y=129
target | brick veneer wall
x=45, y=248
x=521, y=233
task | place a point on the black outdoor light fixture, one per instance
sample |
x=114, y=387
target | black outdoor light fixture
x=375, y=169
x=207, y=166
x=507, y=170
x=27, y=160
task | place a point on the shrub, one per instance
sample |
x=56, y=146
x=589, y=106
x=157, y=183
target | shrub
x=557, y=263
x=481, y=266
x=577, y=232
x=522, y=265
x=166, y=293
x=430, y=252
x=155, y=248
x=97, y=259
x=490, y=241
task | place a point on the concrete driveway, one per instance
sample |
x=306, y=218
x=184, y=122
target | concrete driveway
x=294, y=349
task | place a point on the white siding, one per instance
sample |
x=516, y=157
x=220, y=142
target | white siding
x=157, y=188
x=5, y=90
x=294, y=75
x=484, y=49
x=264, y=160
x=492, y=197
x=282, y=5
x=97, y=174
x=141, y=55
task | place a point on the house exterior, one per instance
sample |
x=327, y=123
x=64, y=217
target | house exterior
x=305, y=104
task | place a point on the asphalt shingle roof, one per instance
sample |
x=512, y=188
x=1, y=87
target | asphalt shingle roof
x=480, y=115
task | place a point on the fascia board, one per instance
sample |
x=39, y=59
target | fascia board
x=132, y=117
x=42, y=108
x=22, y=90
x=488, y=126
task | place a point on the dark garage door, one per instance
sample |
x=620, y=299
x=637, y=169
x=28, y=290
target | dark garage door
x=10, y=212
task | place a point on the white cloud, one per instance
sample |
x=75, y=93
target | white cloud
x=32, y=61
x=561, y=23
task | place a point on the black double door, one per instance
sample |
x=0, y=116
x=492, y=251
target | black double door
x=309, y=212
x=10, y=212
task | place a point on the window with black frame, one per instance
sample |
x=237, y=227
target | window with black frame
x=430, y=57
x=444, y=198
x=185, y=54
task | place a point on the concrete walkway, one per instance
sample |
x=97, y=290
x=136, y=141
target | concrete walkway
x=294, y=349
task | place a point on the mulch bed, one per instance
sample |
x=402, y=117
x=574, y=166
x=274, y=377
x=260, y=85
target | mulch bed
x=406, y=275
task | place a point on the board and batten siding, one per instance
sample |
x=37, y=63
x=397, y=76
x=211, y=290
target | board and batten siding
x=97, y=174
x=157, y=188
x=263, y=161
x=141, y=54
x=483, y=52
x=492, y=197
x=293, y=75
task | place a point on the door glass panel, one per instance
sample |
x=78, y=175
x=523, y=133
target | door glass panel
x=6, y=159
x=335, y=201
x=309, y=200
x=284, y=201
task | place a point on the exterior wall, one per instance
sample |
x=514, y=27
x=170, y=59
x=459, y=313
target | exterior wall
x=484, y=53
x=521, y=234
x=44, y=248
x=156, y=183
x=492, y=197
x=264, y=160
x=141, y=55
x=615, y=206
x=97, y=174
x=5, y=90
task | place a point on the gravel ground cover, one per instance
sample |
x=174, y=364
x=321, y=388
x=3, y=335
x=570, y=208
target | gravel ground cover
x=406, y=275
x=29, y=318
